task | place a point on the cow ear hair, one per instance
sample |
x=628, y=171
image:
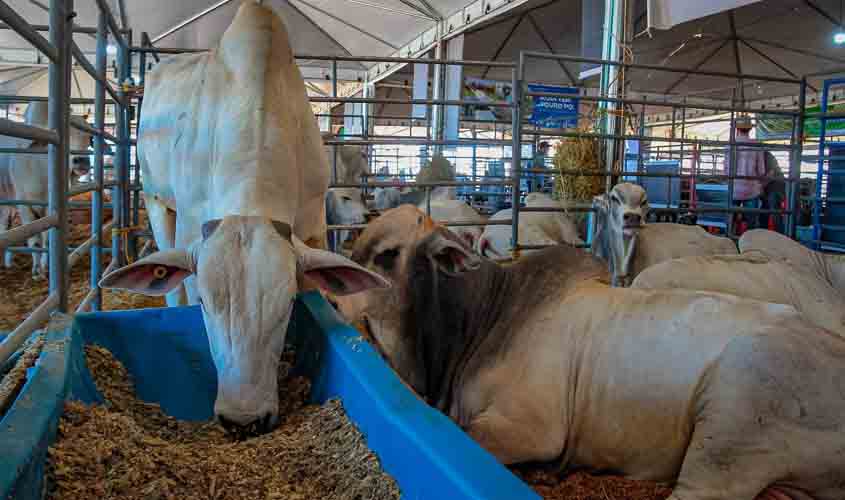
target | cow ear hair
x=450, y=256
x=157, y=274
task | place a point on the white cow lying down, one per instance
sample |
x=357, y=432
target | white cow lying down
x=235, y=179
x=829, y=267
x=458, y=211
x=753, y=276
x=535, y=228
x=726, y=397
x=629, y=245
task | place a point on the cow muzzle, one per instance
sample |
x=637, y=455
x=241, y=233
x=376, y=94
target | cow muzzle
x=255, y=428
x=632, y=222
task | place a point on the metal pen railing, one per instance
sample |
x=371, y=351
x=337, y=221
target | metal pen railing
x=60, y=50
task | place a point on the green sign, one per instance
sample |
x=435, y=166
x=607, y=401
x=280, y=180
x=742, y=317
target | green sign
x=780, y=127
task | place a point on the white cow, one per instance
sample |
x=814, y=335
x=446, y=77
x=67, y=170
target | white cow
x=755, y=276
x=535, y=228
x=235, y=178
x=629, y=245
x=346, y=206
x=828, y=267
x=26, y=177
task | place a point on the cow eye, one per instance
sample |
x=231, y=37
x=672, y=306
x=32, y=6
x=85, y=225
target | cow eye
x=346, y=198
x=386, y=259
x=644, y=203
x=615, y=199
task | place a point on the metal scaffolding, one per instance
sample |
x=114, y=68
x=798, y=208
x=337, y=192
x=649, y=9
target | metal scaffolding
x=61, y=50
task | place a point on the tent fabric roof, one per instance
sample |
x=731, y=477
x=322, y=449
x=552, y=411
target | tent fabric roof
x=775, y=37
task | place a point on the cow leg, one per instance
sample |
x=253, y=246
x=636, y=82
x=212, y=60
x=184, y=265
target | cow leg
x=513, y=440
x=6, y=213
x=163, y=222
x=28, y=214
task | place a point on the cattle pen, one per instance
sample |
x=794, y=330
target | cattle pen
x=637, y=125
x=61, y=50
x=624, y=115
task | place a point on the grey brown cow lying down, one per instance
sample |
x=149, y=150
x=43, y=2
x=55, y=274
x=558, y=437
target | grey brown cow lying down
x=753, y=276
x=728, y=398
x=629, y=245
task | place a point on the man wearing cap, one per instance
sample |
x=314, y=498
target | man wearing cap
x=750, y=162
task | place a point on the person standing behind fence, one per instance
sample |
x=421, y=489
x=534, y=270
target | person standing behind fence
x=750, y=162
x=536, y=181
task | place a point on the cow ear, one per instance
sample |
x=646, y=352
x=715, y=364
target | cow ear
x=450, y=256
x=335, y=273
x=156, y=274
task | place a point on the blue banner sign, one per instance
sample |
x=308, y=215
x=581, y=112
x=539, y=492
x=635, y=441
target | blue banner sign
x=554, y=112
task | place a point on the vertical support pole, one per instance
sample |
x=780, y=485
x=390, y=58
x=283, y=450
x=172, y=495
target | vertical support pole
x=612, y=80
x=794, y=194
x=334, y=94
x=120, y=192
x=57, y=155
x=516, y=153
x=136, y=197
x=817, y=203
x=438, y=112
x=731, y=171
x=99, y=145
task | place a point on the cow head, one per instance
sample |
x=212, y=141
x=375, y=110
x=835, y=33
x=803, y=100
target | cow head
x=246, y=273
x=346, y=206
x=385, y=247
x=620, y=215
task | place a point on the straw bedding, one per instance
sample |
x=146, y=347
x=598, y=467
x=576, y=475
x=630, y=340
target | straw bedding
x=129, y=449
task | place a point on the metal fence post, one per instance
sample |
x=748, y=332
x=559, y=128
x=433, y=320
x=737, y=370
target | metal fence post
x=794, y=193
x=57, y=156
x=516, y=152
x=99, y=145
x=120, y=192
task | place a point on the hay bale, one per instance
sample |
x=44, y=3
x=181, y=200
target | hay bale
x=437, y=169
x=578, y=155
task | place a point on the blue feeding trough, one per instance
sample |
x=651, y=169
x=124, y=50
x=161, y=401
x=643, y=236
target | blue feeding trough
x=166, y=352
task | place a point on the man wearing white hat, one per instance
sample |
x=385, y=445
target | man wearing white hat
x=750, y=162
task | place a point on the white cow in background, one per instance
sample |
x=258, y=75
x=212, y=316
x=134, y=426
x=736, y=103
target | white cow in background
x=444, y=211
x=26, y=177
x=346, y=206
x=629, y=245
x=535, y=228
x=235, y=179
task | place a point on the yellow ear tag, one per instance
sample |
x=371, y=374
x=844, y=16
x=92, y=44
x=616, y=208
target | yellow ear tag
x=159, y=272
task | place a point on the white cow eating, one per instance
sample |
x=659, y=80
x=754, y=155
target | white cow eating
x=629, y=245
x=235, y=178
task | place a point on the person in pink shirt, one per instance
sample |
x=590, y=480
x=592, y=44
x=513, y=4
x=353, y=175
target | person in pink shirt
x=750, y=161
